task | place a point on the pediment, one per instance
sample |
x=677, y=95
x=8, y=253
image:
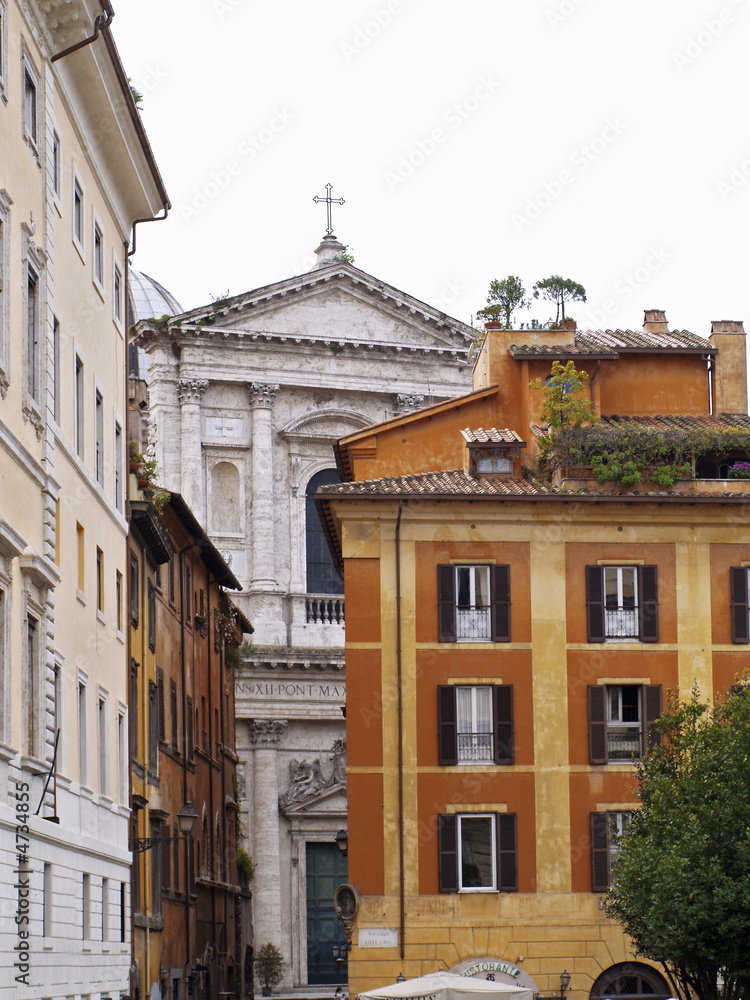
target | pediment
x=325, y=424
x=337, y=305
x=328, y=800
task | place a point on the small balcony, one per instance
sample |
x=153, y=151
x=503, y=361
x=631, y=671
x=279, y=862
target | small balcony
x=624, y=741
x=621, y=623
x=475, y=748
x=473, y=623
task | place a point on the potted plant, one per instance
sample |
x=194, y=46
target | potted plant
x=740, y=470
x=269, y=963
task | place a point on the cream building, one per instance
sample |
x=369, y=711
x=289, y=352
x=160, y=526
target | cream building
x=77, y=171
x=247, y=397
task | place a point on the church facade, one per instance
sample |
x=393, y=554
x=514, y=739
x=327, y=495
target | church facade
x=247, y=397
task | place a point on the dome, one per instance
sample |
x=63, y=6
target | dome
x=148, y=299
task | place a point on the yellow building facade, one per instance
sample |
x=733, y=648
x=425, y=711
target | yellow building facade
x=510, y=643
x=77, y=171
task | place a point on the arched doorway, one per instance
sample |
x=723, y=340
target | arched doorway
x=628, y=980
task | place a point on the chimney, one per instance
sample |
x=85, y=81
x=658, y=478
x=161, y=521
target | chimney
x=654, y=321
x=729, y=383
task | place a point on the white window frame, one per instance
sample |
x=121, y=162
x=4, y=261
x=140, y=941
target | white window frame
x=99, y=435
x=118, y=466
x=98, y=255
x=118, y=290
x=475, y=620
x=475, y=752
x=3, y=51
x=55, y=167
x=31, y=117
x=102, y=733
x=460, y=818
x=78, y=214
x=82, y=725
x=5, y=202
x=621, y=622
x=79, y=400
x=55, y=379
x=625, y=729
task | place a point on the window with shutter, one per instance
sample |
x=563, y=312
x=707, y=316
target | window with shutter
x=622, y=604
x=622, y=721
x=473, y=603
x=477, y=852
x=475, y=724
x=739, y=604
x=160, y=706
x=607, y=829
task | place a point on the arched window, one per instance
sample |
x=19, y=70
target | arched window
x=323, y=576
x=631, y=979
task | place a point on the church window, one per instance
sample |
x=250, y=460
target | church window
x=323, y=576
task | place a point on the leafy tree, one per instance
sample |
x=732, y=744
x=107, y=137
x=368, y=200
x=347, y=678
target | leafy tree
x=503, y=298
x=559, y=290
x=682, y=882
x=564, y=404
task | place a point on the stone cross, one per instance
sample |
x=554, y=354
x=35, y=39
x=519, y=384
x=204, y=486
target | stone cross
x=328, y=202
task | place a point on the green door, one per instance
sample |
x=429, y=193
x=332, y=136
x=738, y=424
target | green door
x=326, y=870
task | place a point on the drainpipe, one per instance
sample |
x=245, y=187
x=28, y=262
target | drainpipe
x=400, y=715
x=101, y=22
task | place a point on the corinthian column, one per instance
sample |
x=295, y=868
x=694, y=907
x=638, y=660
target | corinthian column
x=264, y=737
x=262, y=395
x=191, y=479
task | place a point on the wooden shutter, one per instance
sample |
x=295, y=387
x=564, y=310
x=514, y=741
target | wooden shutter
x=650, y=713
x=502, y=697
x=166, y=856
x=446, y=603
x=189, y=738
x=507, y=852
x=597, y=724
x=739, y=599
x=173, y=713
x=648, y=605
x=599, y=852
x=160, y=705
x=595, y=603
x=447, y=738
x=500, y=591
x=448, y=853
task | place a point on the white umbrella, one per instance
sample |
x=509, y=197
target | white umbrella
x=447, y=986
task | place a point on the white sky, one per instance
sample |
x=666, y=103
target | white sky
x=604, y=140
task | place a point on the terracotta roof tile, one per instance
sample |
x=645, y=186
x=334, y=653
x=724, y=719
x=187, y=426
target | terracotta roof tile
x=684, y=421
x=638, y=340
x=456, y=482
x=491, y=435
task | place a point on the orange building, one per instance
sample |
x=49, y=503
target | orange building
x=510, y=640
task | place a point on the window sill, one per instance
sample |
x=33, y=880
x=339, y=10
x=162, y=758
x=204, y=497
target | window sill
x=81, y=598
x=101, y=617
x=99, y=289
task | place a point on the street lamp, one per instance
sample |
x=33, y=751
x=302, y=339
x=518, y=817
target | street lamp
x=186, y=818
x=400, y=978
x=564, y=983
x=342, y=841
x=339, y=952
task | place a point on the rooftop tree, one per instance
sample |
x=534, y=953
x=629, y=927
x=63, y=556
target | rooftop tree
x=503, y=298
x=559, y=290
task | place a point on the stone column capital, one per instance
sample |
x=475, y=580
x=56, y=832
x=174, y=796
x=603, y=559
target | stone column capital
x=262, y=394
x=191, y=390
x=266, y=732
x=408, y=401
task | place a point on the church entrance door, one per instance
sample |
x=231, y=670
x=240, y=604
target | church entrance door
x=326, y=870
